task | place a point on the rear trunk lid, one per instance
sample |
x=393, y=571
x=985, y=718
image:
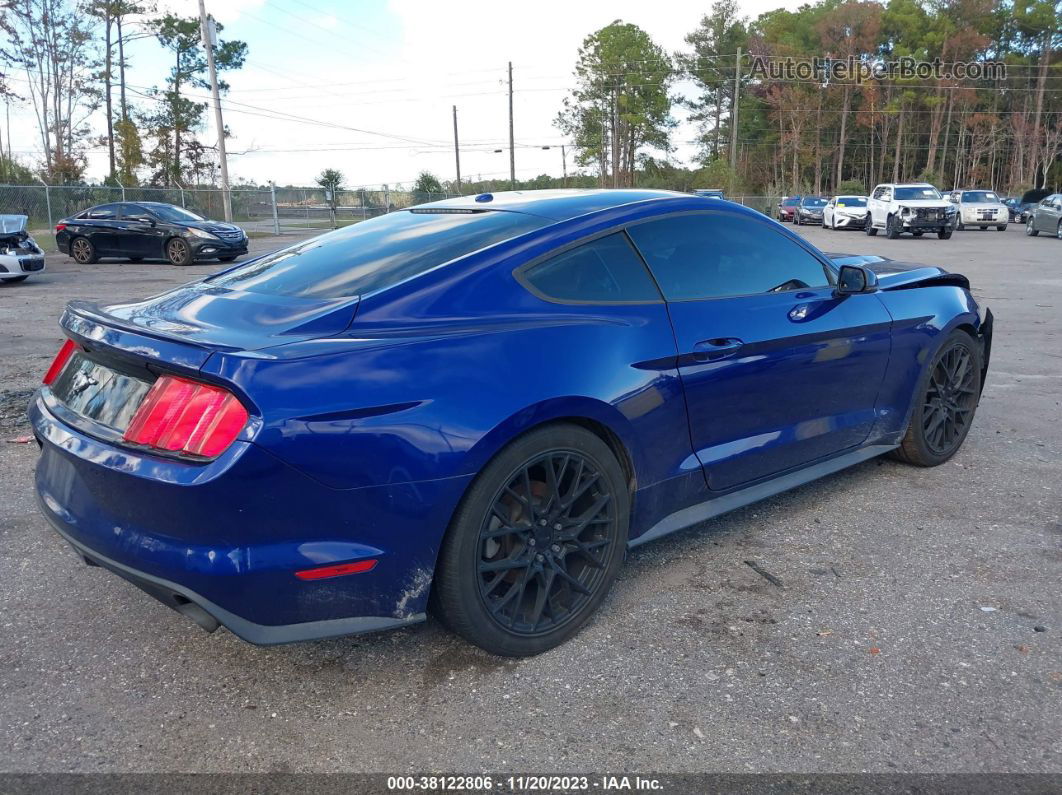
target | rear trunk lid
x=211, y=318
x=122, y=349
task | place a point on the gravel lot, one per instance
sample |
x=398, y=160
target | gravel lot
x=902, y=639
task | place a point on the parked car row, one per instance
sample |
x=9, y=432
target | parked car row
x=918, y=208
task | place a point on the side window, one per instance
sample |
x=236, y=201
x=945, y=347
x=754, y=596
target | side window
x=878, y=193
x=131, y=211
x=104, y=211
x=712, y=256
x=606, y=270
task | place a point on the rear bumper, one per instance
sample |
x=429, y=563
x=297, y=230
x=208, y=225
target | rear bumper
x=210, y=616
x=227, y=537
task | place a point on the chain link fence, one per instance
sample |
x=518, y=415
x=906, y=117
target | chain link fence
x=265, y=210
x=258, y=210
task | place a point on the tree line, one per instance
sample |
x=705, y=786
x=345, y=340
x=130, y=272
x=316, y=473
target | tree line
x=817, y=134
x=68, y=61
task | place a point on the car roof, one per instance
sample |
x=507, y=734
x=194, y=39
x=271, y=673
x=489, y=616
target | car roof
x=557, y=205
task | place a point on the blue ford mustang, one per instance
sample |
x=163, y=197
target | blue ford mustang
x=478, y=405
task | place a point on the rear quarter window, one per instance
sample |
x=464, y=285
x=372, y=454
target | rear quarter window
x=376, y=254
x=606, y=270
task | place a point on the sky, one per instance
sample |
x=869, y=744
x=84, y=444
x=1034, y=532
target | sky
x=373, y=82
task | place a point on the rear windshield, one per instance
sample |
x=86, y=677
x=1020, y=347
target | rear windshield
x=377, y=253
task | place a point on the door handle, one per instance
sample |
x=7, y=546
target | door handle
x=716, y=348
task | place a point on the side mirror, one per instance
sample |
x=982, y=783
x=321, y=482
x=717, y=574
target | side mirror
x=855, y=279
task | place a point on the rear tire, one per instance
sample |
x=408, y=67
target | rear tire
x=917, y=234
x=945, y=403
x=869, y=228
x=892, y=228
x=514, y=550
x=1030, y=230
x=178, y=252
x=83, y=252
x=1058, y=230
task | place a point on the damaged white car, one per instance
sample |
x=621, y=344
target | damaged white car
x=19, y=253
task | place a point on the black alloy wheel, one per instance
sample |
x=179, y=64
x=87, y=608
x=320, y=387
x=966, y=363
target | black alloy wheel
x=536, y=543
x=545, y=543
x=947, y=400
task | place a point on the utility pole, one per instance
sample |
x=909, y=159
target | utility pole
x=615, y=138
x=734, y=117
x=604, y=151
x=209, y=33
x=564, y=164
x=512, y=146
x=457, y=152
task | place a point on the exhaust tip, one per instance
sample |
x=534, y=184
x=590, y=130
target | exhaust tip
x=198, y=615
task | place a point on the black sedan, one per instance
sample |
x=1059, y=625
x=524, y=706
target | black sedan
x=147, y=230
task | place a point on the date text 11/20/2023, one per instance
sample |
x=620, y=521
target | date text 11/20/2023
x=530, y=783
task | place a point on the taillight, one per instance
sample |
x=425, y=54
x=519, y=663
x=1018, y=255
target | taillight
x=60, y=227
x=66, y=350
x=184, y=416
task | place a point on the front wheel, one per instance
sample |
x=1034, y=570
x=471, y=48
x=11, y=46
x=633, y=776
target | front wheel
x=1001, y=227
x=178, y=252
x=1031, y=230
x=536, y=543
x=945, y=403
x=917, y=234
x=1058, y=230
x=944, y=234
x=959, y=227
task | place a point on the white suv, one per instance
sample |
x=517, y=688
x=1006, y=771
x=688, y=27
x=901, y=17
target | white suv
x=916, y=208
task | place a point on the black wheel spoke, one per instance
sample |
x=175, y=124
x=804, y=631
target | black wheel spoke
x=545, y=542
x=506, y=564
